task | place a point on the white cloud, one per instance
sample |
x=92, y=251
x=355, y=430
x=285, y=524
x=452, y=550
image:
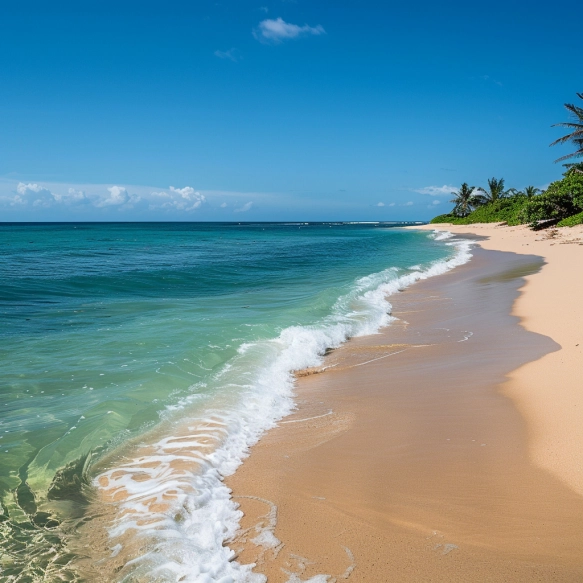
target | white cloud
x=186, y=192
x=380, y=204
x=189, y=198
x=182, y=199
x=391, y=204
x=276, y=31
x=436, y=202
x=436, y=190
x=231, y=55
x=117, y=195
x=72, y=196
x=23, y=189
x=39, y=196
x=32, y=194
x=410, y=203
x=246, y=207
x=103, y=201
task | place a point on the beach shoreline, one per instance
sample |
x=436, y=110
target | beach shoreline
x=345, y=489
x=549, y=392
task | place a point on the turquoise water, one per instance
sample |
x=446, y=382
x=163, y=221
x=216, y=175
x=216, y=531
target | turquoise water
x=107, y=330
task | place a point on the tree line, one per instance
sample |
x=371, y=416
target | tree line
x=561, y=202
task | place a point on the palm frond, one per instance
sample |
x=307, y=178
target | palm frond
x=576, y=135
x=578, y=111
x=567, y=124
x=565, y=139
x=575, y=154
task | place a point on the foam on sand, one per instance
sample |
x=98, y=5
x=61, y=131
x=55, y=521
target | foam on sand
x=174, y=515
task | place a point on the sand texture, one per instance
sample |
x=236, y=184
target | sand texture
x=445, y=448
x=549, y=392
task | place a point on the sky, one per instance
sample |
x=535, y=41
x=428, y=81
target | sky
x=277, y=110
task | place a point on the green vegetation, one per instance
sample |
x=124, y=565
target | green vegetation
x=571, y=221
x=561, y=203
x=465, y=200
x=562, y=199
x=506, y=210
x=531, y=191
x=576, y=136
x=493, y=193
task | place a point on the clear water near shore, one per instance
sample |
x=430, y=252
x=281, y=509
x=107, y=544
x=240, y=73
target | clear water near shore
x=184, y=336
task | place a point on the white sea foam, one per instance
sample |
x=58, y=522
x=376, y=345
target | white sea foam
x=170, y=496
x=441, y=235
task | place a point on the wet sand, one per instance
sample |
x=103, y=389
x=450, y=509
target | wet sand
x=406, y=460
x=548, y=392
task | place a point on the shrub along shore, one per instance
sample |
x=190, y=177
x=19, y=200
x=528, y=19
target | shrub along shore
x=560, y=204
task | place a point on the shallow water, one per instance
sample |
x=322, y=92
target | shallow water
x=143, y=359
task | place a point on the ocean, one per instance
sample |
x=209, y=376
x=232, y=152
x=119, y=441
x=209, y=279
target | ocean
x=139, y=362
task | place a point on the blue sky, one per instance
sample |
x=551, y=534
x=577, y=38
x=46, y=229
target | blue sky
x=277, y=110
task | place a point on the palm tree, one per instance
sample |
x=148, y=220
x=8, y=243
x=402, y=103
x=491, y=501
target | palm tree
x=494, y=192
x=464, y=200
x=531, y=191
x=578, y=166
x=576, y=136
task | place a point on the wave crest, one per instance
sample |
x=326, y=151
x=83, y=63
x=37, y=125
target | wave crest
x=174, y=515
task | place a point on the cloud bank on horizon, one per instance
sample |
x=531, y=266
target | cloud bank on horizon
x=53, y=201
x=37, y=196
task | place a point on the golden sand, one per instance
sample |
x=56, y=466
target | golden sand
x=549, y=392
x=446, y=448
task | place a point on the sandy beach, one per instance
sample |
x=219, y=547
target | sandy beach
x=549, y=392
x=448, y=447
